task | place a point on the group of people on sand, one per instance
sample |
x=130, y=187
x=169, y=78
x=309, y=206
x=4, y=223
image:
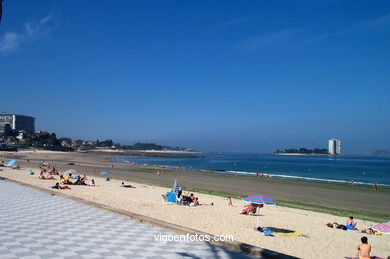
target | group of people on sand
x=364, y=248
x=190, y=200
x=160, y=172
x=261, y=175
x=17, y=167
x=350, y=224
x=44, y=175
x=79, y=180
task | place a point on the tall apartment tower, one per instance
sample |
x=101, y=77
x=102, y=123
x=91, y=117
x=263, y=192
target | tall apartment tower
x=334, y=146
x=17, y=122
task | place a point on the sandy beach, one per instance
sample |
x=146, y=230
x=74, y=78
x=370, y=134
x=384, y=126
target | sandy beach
x=219, y=219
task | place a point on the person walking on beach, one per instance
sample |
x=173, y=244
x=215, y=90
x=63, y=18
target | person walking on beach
x=230, y=203
x=375, y=186
x=364, y=249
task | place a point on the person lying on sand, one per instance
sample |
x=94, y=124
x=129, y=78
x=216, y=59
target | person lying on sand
x=350, y=224
x=126, y=185
x=335, y=225
x=59, y=187
x=370, y=231
x=17, y=167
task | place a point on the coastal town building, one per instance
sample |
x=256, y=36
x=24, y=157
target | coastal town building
x=334, y=146
x=17, y=122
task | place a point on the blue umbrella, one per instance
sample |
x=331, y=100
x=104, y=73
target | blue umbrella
x=10, y=163
x=104, y=172
x=259, y=199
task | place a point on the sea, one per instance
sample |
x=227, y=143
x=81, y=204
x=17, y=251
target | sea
x=356, y=170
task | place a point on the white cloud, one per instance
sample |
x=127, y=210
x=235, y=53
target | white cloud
x=228, y=24
x=292, y=38
x=12, y=41
x=272, y=39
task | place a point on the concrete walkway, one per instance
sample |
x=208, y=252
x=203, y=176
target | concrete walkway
x=38, y=225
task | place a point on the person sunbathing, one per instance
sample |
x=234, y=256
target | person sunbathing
x=43, y=177
x=196, y=202
x=59, y=187
x=370, y=231
x=247, y=209
x=92, y=183
x=17, y=167
x=364, y=249
x=336, y=225
x=126, y=185
x=187, y=200
x=62, y=179
x=350, y=224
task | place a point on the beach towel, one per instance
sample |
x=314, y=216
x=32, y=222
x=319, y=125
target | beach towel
x=292, y=234
x=269, y=231
x=372, y=257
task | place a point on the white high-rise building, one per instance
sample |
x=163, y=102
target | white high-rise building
x=334, y=147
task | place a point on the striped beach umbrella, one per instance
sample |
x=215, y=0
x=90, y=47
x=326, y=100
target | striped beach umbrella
x=260, y=199
x=383, y=228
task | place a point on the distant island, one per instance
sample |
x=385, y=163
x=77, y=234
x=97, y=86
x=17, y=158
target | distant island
x=302, y=151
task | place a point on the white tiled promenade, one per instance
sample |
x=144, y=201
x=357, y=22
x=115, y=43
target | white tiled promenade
x=38, y=225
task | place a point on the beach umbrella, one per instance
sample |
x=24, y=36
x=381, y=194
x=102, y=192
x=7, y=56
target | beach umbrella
x=70, y=171
x=104, y=172
x=260, y=199
x=383, y=228
x=174, y=187
x=10, y=163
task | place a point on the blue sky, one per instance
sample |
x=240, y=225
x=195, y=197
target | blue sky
x=228, y=76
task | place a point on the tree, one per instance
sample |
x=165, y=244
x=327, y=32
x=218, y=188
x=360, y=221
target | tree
x=8, y=130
